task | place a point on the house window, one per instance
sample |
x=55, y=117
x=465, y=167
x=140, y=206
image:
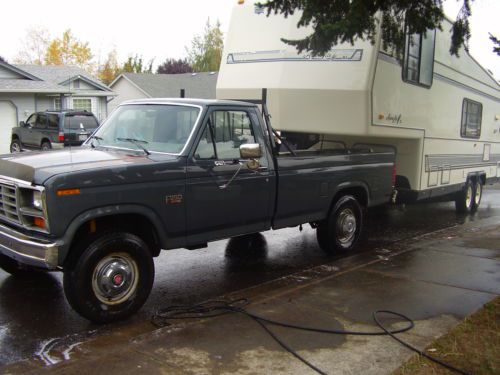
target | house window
x=57, y=104
x=418, y=67
x=472, y=113
x=82, y=104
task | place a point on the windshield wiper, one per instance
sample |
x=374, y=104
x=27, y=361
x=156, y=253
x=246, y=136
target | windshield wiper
x=136, y=142
x=92, y=140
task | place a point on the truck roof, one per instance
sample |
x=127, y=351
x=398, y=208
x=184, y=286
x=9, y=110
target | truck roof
x=199, y=102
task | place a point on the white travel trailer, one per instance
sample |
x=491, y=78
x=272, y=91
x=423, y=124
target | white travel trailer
x=440, y=112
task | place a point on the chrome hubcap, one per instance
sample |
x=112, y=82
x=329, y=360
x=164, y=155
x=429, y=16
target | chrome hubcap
x=346, y=226
x=15, y=147
x=479, y=191
x=115, y=278
x=468, y=196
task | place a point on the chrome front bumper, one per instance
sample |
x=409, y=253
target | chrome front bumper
x=28, y=250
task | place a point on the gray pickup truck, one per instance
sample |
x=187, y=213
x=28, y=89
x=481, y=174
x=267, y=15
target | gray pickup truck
x=175, y=173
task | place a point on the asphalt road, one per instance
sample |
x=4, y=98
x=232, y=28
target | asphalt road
x=34, y=312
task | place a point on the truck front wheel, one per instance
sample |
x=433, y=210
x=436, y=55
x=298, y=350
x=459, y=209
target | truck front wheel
x=111, y=279
x=342, y=230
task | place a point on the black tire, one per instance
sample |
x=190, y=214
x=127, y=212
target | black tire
x=15, y=146
x=45, y=146
x=478, y=194
x=15, y=268
x=465, y=198
x=322, y=236
x=342, y=230
x=111, y=279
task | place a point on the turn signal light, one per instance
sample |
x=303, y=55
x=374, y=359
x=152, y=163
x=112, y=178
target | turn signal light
x=64, y=192
x=39, y=222
x=60, y=137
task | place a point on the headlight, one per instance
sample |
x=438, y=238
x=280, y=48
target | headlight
x=32, y=209
x=37, y=200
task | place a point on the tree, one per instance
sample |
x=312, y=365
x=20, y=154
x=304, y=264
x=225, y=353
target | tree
x=136, y=65
x=174, y=66
x=496, y=44
x=34, y=46
x=205, y=53
x=339, y=21
x=110, y=69
x=68, y=50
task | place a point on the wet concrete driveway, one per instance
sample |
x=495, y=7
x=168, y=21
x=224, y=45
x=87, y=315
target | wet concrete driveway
x=34, y=314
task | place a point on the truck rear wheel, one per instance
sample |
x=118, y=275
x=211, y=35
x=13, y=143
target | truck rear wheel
x=45, y=146
x=465, y=198
x=111, y=279
x=342, y=230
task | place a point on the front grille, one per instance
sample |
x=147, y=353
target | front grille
x=8, y=205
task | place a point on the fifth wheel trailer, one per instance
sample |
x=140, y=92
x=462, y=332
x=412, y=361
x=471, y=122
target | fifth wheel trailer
x=440, y=112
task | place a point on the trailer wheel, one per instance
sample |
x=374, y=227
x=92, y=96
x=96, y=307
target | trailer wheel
x=478, y=194
x=342, y=230
x=111, y=279
x=465, y=198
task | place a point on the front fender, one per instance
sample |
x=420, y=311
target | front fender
x=112, y=210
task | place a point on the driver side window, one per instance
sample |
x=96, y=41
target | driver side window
x=224, y=133
x=31, y=120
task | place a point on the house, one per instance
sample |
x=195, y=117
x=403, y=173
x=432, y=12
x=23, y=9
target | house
x=25, y=89
x=142, y=85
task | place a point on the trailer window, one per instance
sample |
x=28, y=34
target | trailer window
x=471, y=119
x=418, y=67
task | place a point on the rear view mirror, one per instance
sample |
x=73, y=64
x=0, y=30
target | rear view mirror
x=22, y=124
x=250, y=151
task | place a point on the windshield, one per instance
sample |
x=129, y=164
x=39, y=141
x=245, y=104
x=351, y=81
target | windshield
x=160, y=128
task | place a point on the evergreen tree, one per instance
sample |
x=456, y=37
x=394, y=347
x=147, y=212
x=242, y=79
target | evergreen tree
x=340, y=21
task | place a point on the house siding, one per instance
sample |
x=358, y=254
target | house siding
x=44, y=103
x=103, y=109
x=24, y=103
x=125, y=91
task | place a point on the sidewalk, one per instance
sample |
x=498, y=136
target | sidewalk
x=437, y=280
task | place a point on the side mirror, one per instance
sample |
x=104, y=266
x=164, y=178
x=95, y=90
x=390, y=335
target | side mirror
x=22, y=124
x=250, y=151
x=253, y=152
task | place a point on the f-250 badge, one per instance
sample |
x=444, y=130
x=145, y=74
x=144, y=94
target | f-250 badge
x=174, y=199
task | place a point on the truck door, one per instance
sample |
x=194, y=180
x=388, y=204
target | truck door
x=29, y=132
x=245, y=205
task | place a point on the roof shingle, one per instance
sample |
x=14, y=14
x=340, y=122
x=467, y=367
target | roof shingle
x=196, y=85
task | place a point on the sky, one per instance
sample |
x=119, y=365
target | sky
x=163, y=29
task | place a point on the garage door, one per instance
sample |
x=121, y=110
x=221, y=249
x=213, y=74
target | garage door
x=7, y=122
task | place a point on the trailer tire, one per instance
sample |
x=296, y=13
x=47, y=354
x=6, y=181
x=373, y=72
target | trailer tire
x=478, y=194
x=342, y=230
x=111, y=279
x=465, y=198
